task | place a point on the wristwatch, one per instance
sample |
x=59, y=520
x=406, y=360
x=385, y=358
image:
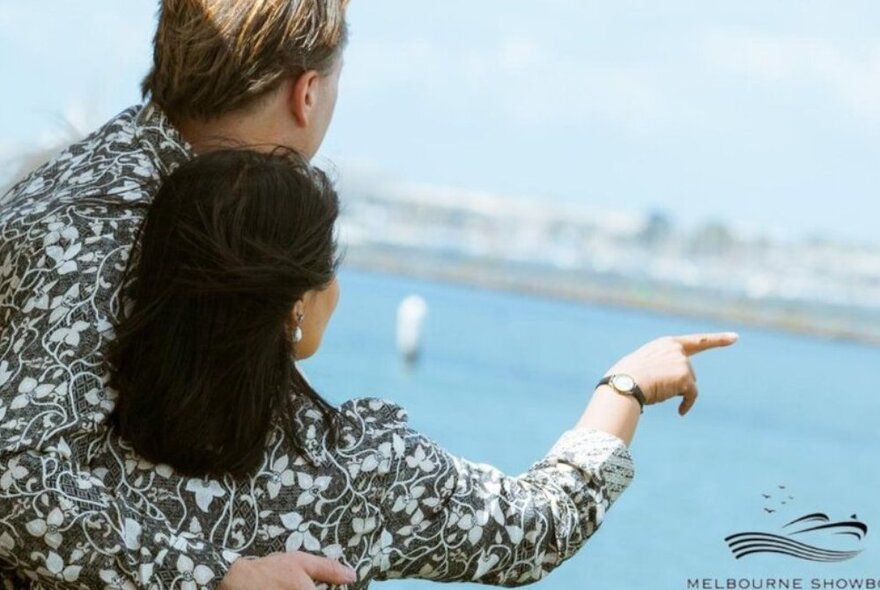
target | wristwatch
x=626, y=385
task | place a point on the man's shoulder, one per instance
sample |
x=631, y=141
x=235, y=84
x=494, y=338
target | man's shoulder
x=108, y=162
x=68, y=225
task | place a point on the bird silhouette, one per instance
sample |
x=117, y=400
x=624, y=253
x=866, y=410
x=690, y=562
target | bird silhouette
x=766, y=495
x=769, y=511
x=791, y=497
x=783, y=501
x=781, y=487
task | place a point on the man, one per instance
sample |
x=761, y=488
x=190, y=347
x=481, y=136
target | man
x=225, y=72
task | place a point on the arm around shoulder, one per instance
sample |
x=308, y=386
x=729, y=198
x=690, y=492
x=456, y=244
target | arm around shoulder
x=60, y=526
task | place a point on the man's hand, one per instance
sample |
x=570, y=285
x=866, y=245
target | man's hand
x=286, y=571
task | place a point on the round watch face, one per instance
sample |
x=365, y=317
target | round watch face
x=623, y=383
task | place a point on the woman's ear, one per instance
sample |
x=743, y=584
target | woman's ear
x=297, y=312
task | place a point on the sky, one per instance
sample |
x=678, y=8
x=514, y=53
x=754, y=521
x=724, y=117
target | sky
x=762, y=115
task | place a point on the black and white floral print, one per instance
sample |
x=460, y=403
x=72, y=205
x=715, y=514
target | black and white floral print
x=78, y=508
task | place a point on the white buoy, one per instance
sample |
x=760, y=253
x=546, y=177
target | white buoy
x=410, y=319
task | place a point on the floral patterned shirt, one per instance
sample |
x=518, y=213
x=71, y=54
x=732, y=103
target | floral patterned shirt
x=78, y=508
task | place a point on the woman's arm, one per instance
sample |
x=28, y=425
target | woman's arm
x=446, y=518
x=450, y=519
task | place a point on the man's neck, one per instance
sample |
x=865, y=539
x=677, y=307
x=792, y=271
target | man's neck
x=266, y=126
x=227, y=132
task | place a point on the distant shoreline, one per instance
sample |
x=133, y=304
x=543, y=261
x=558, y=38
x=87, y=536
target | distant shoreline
x=664, y=299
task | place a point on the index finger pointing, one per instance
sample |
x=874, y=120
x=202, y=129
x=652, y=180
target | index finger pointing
x=694, y=343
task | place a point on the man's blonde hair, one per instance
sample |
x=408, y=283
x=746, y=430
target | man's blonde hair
x=211, y=57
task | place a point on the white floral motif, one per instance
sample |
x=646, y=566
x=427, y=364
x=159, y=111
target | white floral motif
x=61, y=304
x=193, y=575
x=312, y=487
x=138, y=463
x=40, y=299
x=473, y=523
x=280, y=476
x=64, y=259
x=205, y=492
x=379, y=460
x=29, y=390
x=99, y=397
x=69, y=335
x=56, y=568
x=300, y=537
x=57, y=231
x=86, y=481
x=409, y=501
x=417, y=523
x=14, y=471
x=361, y=527
x=420, y=459
x=48, y=528
x=381, y=551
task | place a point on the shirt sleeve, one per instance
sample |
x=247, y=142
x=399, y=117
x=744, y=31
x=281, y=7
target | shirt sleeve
x=450, y=519
x=60, y=528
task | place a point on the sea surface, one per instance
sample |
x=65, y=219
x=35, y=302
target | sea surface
x=504, y=374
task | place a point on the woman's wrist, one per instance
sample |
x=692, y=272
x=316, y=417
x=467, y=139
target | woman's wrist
x=611, y=412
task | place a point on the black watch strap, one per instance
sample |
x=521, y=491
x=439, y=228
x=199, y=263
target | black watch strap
x=636, y=391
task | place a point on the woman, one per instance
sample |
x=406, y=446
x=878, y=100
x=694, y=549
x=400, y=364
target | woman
x=235, y=280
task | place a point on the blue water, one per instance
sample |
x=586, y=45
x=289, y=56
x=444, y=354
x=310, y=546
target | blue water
x=504, y=374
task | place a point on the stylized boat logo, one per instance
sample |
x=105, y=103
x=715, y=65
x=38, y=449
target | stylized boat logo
x=791, y=542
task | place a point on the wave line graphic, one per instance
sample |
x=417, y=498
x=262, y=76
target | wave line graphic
x=769, y=549
x=733, y=540
x=742, y=544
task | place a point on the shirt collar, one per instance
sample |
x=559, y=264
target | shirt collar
x=160, y=139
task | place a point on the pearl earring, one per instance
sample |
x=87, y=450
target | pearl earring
x=297, y=332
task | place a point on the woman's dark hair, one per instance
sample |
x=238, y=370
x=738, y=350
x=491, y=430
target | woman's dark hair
x=203, y=362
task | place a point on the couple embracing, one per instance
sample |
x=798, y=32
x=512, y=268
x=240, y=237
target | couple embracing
x=160, y=280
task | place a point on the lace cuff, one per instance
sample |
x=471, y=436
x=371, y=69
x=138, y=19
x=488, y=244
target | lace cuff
x=595, y=452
